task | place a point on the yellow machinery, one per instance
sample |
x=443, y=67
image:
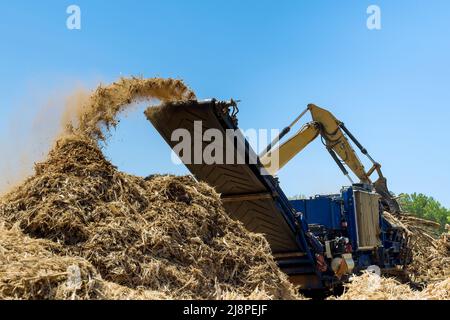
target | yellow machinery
x=333, y=133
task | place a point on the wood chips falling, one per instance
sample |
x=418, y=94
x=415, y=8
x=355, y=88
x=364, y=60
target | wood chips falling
x=89, y=117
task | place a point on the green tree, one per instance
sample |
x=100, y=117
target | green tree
x=425, y=207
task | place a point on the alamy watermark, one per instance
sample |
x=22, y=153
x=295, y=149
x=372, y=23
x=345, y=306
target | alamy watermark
x=74, y=282
x=73, y=21
x=374, y=19
x=212, y=146
x=73, y=277
x=374, y=280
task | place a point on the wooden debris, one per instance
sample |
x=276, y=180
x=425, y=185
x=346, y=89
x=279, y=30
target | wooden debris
x=161, y=237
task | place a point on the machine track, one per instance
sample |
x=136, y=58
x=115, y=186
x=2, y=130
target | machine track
x=248, y=196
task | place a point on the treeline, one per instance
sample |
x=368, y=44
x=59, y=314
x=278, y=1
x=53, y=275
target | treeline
x=425, y=207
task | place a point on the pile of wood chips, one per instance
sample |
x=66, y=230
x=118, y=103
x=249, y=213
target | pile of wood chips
x=430, y=252
x=166, y=234
x=80, y=229
x=429, y=272
x=370, y=286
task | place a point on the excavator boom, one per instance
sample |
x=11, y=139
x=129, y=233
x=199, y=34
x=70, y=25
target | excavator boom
x=333, y=133
x=291, y=147
x=336, y=141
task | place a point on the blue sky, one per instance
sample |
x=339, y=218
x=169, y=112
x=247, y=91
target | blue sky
x=391, y=86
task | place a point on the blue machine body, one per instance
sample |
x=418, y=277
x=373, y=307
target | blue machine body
x=332, y=216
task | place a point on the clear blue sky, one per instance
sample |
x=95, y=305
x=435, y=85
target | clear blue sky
x=391, y=87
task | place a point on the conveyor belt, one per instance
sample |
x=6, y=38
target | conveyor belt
x=248, y=196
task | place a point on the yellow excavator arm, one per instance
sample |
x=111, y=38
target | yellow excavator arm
x=333, y=133
x=336, y=141
x=291, y=147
